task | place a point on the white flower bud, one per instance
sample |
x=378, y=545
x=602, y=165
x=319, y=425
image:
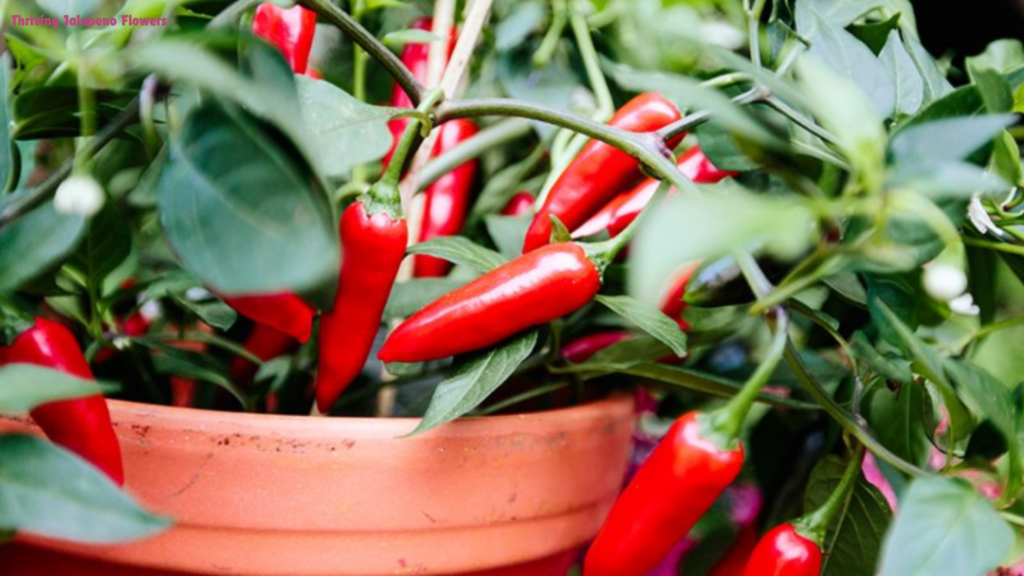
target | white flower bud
x=944, y=282
x=80, y=195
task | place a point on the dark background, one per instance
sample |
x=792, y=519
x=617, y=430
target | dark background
x=963, y=29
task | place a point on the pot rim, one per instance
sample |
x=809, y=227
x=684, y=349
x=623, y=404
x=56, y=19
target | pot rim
x=304, y=425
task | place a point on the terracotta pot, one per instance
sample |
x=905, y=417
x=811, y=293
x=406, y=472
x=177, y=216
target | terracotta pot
x=281, y=495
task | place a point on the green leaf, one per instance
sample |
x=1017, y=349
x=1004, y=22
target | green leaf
x=725, y=218
x=48, y=491
x=945, y=528
x=474, y=378
x=935, y=143
x=853, y=61
x=107, y=243
x=8, y=152
x=213, y=312
x=905, y=76
x=848, y=286
x=400, y=38
x=855, y=535
x=982, y=267
x=993, y=87
x=935, y=84
x=241, y=213
x=35, y=242
x=688, y=92
x=985, y=396
x=341, y=131
x=876, y=34
x=175, y=361
x=720, y=147
x=1006, y=159
x=838, y=13
x=1001, y=55
x=649, y=319
x=950, y=179
x=460, y=250
x=25, y=386
x=845, y=110
x=513, y=29
x=508, y=232
x=898, y=421
x=409, y=297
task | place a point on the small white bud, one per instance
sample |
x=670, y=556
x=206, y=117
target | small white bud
x=151, y=310
x=965, y=305
x=198, y=294
x=978, y=216
x=80, y=195
x=944, y=282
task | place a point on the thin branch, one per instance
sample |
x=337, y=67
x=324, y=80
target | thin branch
x=486, y=139
x=361, y=36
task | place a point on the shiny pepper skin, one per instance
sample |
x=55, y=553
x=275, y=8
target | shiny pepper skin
x=82, y=425
x=624, y=208
x=673, y=305
x=531, y=290
x=284, y=312
x=673, y=488
x=447, y=199
x=519, y=204
x=784, y=552
x=290, y=29
x=374, y=246
x=600, y=171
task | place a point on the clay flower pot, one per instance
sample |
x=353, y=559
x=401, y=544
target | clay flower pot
x=265, y=495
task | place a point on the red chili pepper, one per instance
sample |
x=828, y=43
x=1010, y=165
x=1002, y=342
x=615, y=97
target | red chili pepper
x=264, y=343
x=283, y=312
x=735, y=560
x=600, y=171
x=82, y=425
x=519, y=204
x=447, y=202
x=290, y=29
x=624, y=208
x=674, y=487
x=784, y=552
x=374, y=246
x=583, y=348
x=673, y=304
x=530, y=290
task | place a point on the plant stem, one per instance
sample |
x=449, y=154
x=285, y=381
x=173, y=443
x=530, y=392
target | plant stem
x=604, y=253
x=998, y=246
x=814, y=526
x=388, y=182
x=801, y=120
x=547, y=46
x=997, y=326
x=754, y=30
x=846, y=420
x=34, y=196
x=358, y=80
x=690, y=121
x=591, y=62
x=362, y=37
x=486, y=139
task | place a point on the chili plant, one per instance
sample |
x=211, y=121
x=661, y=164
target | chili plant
x=787, y=222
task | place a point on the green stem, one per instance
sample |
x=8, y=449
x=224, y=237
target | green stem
x=997, y=246
x=691, y=121
x=604, y=253
x=847, y=421
x=754, y=30
x=591, y=61
x=86, y=106
x=550, y=42
x=377, y=50
x=231, y=14
x=728, y=421
x=814, y=526
x=801, y=120
x=385, y=191
x=997, y=326
x=359, y=79
x=496, y=135
x=34, y=196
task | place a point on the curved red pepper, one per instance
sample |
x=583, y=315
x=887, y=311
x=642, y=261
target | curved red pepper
x=447, y=199
x=374, y=246
x=290, y=29
x=600, y=171
x=784, y=552
x=584, y=347
x=674, y=487
x=624, y=208
x=735, y=560
x=284, y=312
x=519, y=204
x=530, y=290
x=82, y=425
x=673, y=304
x=264, y=343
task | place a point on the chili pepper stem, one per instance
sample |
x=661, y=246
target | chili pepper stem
x=727, y=422
x=604, y=253
x=814, y=526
